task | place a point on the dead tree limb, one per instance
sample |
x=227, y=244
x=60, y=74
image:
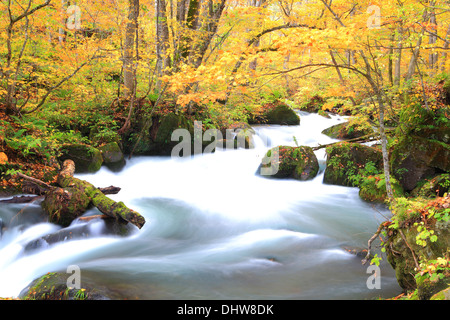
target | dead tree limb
x=104, y=204
x=372, y=239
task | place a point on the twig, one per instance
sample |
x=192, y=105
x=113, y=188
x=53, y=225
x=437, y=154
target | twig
x=372, y=239
x=37, y=181
x=407, y=244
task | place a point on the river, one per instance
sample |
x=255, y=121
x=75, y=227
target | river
x=214, y=230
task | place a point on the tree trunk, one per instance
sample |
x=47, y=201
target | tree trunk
x=416, y=51
x=129, y=67
x=384, y=149
x=446, y=47
x=398, y=60
x=432, y=39
x=162, y=42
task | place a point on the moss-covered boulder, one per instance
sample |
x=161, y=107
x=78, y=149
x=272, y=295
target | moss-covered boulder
x=276, y=113
x=155, y=137
x=346, y=130
x=373, y=188
x=86, y=158
x=401, y=259
x=282, y=114
x=345, y=161
x=436, y=186
x=422, y=234
x=442, y=295
x=299, y=163
x=416, y=158
x=58, y=286
x=112, y=155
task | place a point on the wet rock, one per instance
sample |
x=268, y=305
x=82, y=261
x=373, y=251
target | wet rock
x=112, y=155
x=79, y=230
x=345, y=131
x=282, y=114
x=277, y=113
x=356, y=251
x=299, y=163
x=58, y=286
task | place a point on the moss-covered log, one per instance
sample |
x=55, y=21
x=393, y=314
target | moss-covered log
x=117, y=210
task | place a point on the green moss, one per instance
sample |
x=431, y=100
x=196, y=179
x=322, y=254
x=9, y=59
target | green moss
x=291, y=162
x=86, y=158
x=373, y=188
x=347, y=130
x=348, y=160
x=282, y=114
x=64, y=205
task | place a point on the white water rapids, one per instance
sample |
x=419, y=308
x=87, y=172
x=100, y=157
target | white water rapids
x=214, y=230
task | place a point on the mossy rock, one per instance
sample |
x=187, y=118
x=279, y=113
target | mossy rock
x=86, y=158
x=373, y=189
x=56, y=286
x=436, y=186
x=113, y=156
x=299, y=163
x=282, y=114
x=64, y=205
x=426, y=288
x=442, y=295
x=345, y=160
x=345, y=131
x=416, y=158
x=400, y=257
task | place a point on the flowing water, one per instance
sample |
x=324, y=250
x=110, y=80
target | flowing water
x=214, y=230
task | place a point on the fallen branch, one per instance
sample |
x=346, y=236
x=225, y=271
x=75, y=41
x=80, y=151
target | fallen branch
x=367, y=138
x=97, y=216
x=37, y=181
x=372, y=239
x=104, y=204
x=21, y=199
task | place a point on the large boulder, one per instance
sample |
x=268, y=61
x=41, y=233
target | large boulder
x=346, y=160
x=346, y=130
x=112, y=155
x=277, y=113
x=282, y=114
x=416, y=158
x=155, y=137
x=86, y=158
x=407, y=245
x=436, y=186
x=299, y=163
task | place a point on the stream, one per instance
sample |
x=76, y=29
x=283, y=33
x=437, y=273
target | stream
x=214, y=230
